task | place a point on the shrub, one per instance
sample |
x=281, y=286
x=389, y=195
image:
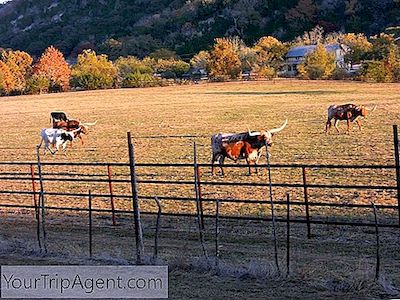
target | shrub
x=37, y=84
x=374, y=71
x=267, y=72
x=134, y=80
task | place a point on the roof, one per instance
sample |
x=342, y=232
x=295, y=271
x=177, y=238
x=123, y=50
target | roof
x=300, y=51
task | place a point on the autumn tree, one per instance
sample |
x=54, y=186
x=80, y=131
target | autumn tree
x=224, y=60
x=93, y=71
x=270, y=54
x=54, y=68
x=201, y=60
x=19, y=64
x=319, y=64
x=359, y=46
x=6, y=79
x=132, y=72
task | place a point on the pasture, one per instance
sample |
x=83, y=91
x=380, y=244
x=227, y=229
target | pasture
x=165, y=122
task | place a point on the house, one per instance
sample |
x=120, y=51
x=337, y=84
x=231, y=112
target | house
x=296, y=56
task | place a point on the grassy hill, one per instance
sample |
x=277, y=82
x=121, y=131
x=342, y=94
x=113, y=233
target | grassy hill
x=138, y=27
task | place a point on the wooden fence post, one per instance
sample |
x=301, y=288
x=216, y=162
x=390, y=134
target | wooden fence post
x=397, y=161
x=90, y=225
x=306, y=201
x=287, y=234
x=272, y=211
x=378, y=256
x=135, y=203
x=110, y=188
x=42, y=201
x=198, y=213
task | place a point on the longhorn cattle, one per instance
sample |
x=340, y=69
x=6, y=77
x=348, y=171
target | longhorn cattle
x=54, y=138
x=58, y=116
x=77, y=126
x=346, y=112
x=247, y=145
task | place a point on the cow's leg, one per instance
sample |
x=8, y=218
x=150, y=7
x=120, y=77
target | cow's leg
x=359, y=124
x=248, y=165
x=348, y=126
x=328, y=125
x=221, y=162
x=212, y=164
x=336, y=125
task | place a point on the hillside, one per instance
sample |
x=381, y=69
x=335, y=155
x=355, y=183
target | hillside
x=138, y=27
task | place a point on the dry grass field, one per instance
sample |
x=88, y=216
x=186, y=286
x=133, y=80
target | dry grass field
x=337, y=262
x=201, y=110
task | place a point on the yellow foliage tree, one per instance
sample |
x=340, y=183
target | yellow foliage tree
x=94, y=71
x=317, y=65
x=224, y=62
x=270, y=53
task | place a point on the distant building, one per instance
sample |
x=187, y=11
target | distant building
x=296, y=56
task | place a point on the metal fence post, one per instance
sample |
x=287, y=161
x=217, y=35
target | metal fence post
x=200, y=195
x=396, y=157
x=35, y=202
x=90, y=225
x=110, y=188
x=217, y=231
x=306, y=201
x=135, y=203
x=198, y=213
x=42, y=201
x=287, y=234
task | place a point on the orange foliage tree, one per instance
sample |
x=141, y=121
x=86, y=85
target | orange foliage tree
x=54, y=68
x=224, y=62
x=19, y=63
x=6, y=79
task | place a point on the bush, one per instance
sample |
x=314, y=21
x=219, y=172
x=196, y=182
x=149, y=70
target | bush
x=134, y=80
x=37, y=84
x=339, y=74
x=374, y=71
x=267, y=72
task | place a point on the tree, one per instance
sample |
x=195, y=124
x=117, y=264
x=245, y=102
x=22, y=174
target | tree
x=271, y=53
x=53, y=66
x=318, y=65
x=19, y=63
x=133, y=72
x=171, y=68
x=224, y=61
x=93, y=71
x=359, y=46
x=201, y=60
x=6, y=79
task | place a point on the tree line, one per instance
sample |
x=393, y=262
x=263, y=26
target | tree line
x=378, y=57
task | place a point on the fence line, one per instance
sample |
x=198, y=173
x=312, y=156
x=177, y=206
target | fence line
x=112, y=195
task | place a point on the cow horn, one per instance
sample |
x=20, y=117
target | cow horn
x=252, y=133
x=371, y=109
x=89, y=124
x=275, y=130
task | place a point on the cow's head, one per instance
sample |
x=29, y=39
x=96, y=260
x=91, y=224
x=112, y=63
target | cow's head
x=266, y=136
x=85, y=127
x=364, y=110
